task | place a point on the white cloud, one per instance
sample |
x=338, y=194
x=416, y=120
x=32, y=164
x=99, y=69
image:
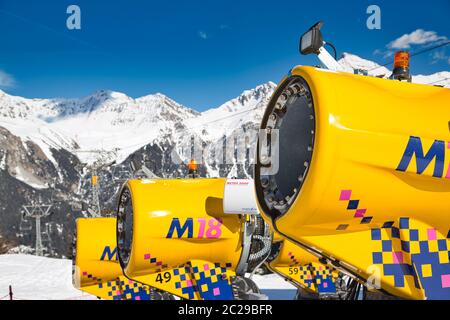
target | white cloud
x=438, y=56
x=384, y=53
x=418, y=37
x=377, y=52
x=6, y=80
x=202, y=35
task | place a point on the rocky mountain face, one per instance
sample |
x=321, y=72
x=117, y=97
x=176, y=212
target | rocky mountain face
x=49, y=147
x=27, y=177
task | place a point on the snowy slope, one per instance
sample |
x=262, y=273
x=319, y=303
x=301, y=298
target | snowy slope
x=351, y=62
x=439, y=78
x=37, y=278
x=40, y=278
x=247, y=107
x=272, y=282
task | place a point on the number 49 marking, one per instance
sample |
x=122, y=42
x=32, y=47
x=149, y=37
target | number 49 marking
x=166, y=277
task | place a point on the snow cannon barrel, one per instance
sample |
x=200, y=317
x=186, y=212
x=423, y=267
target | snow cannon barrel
x=174, y=235
x=363, y=172
x=96, y=269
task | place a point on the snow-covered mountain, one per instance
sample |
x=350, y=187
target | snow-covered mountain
x=109, y=120
x=103, y=120
x=351, y=62
x=45, y=145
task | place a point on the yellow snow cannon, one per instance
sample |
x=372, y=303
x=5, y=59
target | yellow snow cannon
x=96, y=269
x=173, y=234
x=313, y=279
x=361, y=177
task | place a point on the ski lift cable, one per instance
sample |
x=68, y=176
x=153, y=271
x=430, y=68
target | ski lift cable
x=197, y=126
x=443, y=44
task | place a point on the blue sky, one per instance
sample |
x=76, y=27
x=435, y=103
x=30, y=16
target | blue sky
x=200, y=53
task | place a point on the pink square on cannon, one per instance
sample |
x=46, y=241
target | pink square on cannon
x=397, y=257
x=216, y=291
x=137, y=298
x=159, y=263
x=118, y=292
x=360, y=213
x=84, y=273
x=445, y=278
x=146, y=256
x=188, y=283
x=431, y=234
x=345, y=195
x=325, y=285
x=206, y=266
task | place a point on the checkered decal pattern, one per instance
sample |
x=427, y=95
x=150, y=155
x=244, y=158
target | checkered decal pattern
x=414, y=254
x=294, y=261
x=318, y=277
x=122, y=289
x=127, y=290
x=158, y=264
x=306, y=277
x=209, y=280
x=354, y=206
x=91, y=276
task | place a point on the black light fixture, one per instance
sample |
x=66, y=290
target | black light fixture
x=311, y=41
